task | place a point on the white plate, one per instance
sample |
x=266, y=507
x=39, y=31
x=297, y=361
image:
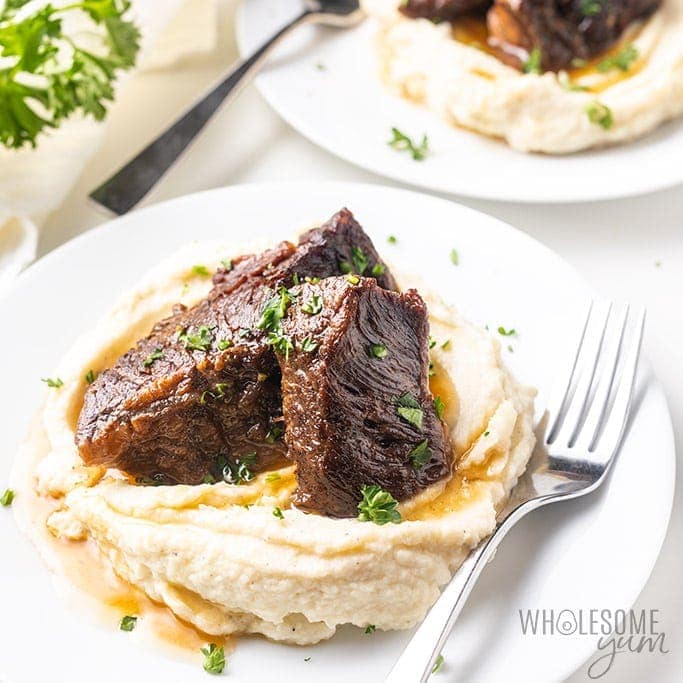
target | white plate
x=596, y=552
x=346, y=110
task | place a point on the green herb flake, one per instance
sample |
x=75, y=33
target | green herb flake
x=370, y=628
x=409, y=410
x=446, y=345
x=278, y=513
x=128, y=623
x=201, y=341
x=622, y=60
x=53, y=383
x=223, y=344
x=227, y=264
x=455, y=259
x=392, y=239
x=7, y=498
x=239, y=472
x=320, y=66
x=308, y=345
x=378, y=270
x=507, y=333
x=154, y=356
x=274, y=311
x=201, y=271
x=273, y=476
x=438, y=664
x=214, y=659
x=281, y=343
x=314, y=305
x=533, y=63
x=600, y=114
x=378, y=506
x=378, y=350
x=353, y=279
x=307, y=659
x=439, y=407
x=401, y=142
x=590, y=8
x=90, y=376
x=420, y=455
x=274, y=433
x=486, y=433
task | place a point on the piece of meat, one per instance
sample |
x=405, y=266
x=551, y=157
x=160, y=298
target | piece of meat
x=441, y=10
x=354, y=388
x=562, y=30
x=199, y=398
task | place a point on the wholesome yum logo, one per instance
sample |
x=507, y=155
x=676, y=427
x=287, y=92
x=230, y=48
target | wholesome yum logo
x=618, y=631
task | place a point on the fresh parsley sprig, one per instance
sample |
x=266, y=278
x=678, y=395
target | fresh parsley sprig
x=47, y=75
x=378, y=506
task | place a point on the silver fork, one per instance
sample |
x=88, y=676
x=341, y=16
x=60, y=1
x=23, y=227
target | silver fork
x=586, y=420
x=134, y=180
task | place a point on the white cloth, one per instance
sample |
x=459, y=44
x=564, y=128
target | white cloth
x=34, y=182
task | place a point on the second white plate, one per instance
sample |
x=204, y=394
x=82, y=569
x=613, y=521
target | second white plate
x=324, y=83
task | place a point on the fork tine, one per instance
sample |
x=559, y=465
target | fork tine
x=585, y=437
x=559, y=397
x=586, y=365
x=608, y=442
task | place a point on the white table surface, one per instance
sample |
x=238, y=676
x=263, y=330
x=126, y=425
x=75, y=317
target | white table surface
x=630, y=249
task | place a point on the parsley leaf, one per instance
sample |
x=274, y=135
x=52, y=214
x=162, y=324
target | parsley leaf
x=378, y=506
x=401, y=142
x=7, y=498
x=314, y=305
x=370, y=628
x=90, y=376
x=409, y=409
x=308, y=345
x=439, y=407
x=128, y=623
x=197, y=342
x=201, y=271
x=214, y=658
x=53, y=383
x=278, y=513
x=600, y=114
x=420, y=455
x=589, y=8
x=378, y=350
x=154, y=356
x=621, y=61
x=533, y=63
x=512, y=332
x=437, y=664
x=48, y=75
x=274, y=311
x=455, y=259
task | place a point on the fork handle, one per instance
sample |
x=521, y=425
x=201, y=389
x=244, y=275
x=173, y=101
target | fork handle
x=134, y=180
x=416, y=663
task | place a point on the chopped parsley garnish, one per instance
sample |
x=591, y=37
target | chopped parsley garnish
x=420, y=455
x=274, y=311
x=455, y=259
x=439, y=406
x=53, y=383
x=274, y=433
x=507, y=333
x=432, y=342
x=378, y=270
x=219, y=392
x=533, y=63
x=278, y=513
x=201, y=341
x=273, y=476
x=90, y=376
x=621, y=60
x=295, y=278
x=308, y=345
x=438, y=664
x=214, y=658
x=401, y=142
x=600, y=114
x=378, y=506
x=281, y=344
x=370, y=628
x=446, y=344
x=359, y=262
x=312, y=280
x=409, y=409
x=314, y=305
x=510, y=349
x=201, y=271
x=7, y=498
x=378, y=350
x=239, y=472
x=589, y=8
x=154, y=356
x=48, y=71
x=307, y=659
x=223, y=344
x=353, y=279
x=486, y=433
x=128, y=623
x=392, y=239
x=320, y=67
x=227, y=264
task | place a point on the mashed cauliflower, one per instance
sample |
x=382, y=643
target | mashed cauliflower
x=219, y=558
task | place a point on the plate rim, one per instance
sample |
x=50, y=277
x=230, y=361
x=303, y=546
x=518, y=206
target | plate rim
x=259, y=188
x=585, y=196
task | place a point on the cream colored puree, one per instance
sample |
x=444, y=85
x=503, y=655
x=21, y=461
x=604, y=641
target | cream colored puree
x=447, y=70
x=215, y=555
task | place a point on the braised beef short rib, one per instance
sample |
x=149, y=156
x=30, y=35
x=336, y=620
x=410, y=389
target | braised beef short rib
x=200, y=396
x=561, y=30
x=441, y=10
x=356, y=396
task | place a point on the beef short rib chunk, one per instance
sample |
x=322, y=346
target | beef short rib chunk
x=562, y=30
x=441, y=10
x=356, y=398
x=200, y=396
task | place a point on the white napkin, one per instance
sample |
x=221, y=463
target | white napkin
x=34, y=182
